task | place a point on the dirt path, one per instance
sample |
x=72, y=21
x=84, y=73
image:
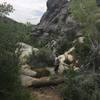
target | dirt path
x=47, y=93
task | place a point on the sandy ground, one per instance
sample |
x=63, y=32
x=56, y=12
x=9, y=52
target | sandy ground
x=47, y=93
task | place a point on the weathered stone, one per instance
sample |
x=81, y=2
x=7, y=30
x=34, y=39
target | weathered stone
x=26, y=70
x=26, y=81
x=25, y=51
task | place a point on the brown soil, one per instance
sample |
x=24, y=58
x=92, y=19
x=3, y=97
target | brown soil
x=47, y=93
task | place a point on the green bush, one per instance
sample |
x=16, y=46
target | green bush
x=9, y=76
x=98, y=24
x=63, y=46
x=44, y=58
x=10, y=34
x=87, y=15
x=82, y=87
x=82, y=51
x=10, y=85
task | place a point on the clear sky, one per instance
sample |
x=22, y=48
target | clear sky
x=27, y=10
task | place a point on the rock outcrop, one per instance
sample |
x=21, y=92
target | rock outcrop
x=56, y=19
x=25, y=51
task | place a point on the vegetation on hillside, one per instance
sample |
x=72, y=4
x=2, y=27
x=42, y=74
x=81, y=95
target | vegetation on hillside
x=10, y=33
x=21, y=31
x=81, y=86
x=84, y=85
x=87, y=14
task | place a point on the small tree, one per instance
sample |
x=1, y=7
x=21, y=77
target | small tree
x=87, y=14
x=84, y=13
x=5, y=9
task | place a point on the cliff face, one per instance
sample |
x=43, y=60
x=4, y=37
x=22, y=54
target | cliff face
x=56, y=18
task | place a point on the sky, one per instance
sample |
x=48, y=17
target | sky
x=27, y=10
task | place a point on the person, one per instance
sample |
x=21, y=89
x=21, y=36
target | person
x=68, y=59
x=98, y=2
x=56, y=64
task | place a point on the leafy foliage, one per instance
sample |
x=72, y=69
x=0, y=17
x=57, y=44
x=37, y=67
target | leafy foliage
x=85, y=85
x=86, y=14
x=80, y=86
x=10, y=33
x=21, y=31
x=43, y=58
x=5, y=9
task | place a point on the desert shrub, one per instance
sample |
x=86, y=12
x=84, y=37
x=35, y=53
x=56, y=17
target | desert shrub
x=83, y=51
x=63, y=45
x=81, y=86
x=65, y=42
x=44, y=58
x=86, y=13
x=85, y=86
x=10, y=85
x=98, y=24
x=9, y=76
x=25, y=95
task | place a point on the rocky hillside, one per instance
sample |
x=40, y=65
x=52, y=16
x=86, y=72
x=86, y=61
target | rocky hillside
x=58, y=29
x=56, y=26
x=9, y=25
x=56, y=17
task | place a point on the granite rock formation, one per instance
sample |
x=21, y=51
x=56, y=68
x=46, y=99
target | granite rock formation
x=56, y=18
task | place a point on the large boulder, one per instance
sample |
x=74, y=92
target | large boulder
x=26, y=70
x=25, y=51
x=26, y=81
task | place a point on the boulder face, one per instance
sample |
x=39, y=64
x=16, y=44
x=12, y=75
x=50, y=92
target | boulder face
x=56, y=18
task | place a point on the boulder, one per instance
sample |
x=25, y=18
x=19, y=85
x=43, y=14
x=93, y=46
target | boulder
x=26, y=81
x=26, y=70
x=24, y=52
